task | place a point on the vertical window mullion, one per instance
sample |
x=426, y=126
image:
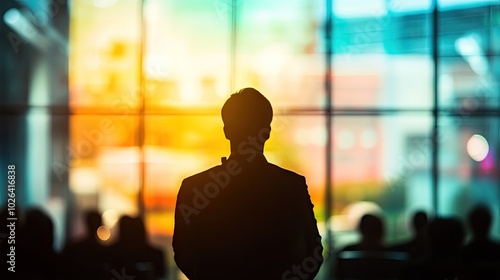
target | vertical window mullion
x=329, y=124
x=435, y=108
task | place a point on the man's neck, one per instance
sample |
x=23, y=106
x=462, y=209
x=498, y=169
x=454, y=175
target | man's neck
x=245, y=147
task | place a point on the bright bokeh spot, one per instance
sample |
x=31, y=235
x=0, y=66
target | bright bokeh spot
x=12, y=16
x=477, y=147
x=84, y=180
x=110, y=217
x=103, y=233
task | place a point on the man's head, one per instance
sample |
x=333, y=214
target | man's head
x=247, y=113
x=419, y=222
x=480, y=220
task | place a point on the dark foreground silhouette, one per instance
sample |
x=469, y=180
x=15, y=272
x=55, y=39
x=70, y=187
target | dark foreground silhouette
x=132, y=253
x=369, y=258
x=481, y=256
x=131, y=256
x=36, y=257
x=85, y=258
x=417, y=246
x=445, y=237
x=246, y=218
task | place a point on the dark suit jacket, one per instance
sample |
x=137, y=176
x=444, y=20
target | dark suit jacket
x=246, y=219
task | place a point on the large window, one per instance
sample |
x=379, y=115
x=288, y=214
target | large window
x=388, y=106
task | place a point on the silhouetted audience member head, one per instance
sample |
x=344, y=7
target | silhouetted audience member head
x=446, y=236
x=480, y=221
x=132, y=231
x=247, y=113
x=419, y=222
x=93, y=221
x=37, y=258
x=133, y=252
x=371, y=228
x=38, y=229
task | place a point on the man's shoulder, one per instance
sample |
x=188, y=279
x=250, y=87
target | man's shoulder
x=275, y=170
x=286, y=173
x=201, y=176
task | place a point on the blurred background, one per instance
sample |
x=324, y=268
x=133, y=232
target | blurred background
x=387, y=106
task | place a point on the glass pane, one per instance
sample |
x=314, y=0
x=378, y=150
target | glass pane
x=278, y=51
x=187, y=56
x=15, y=71
x=380, y=165
x=468, y=83
x=495, y=29
x=370, y=80
x=463, y=21
x=468, y=164
x=104, y=167
x=32, y=143
x=373, y=48
x=12, y=133
x=450, y=4
x=105, y=54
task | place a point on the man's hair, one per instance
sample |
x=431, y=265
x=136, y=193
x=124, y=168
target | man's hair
x=371, y=226
x=247, y=112
x=419, y=221
x=480, y=220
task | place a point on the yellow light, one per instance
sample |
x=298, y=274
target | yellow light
x=84, y=180
x=103, y=233
x=110, y=217
x=477, y=147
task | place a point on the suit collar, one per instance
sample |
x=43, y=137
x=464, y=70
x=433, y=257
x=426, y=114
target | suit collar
x=247, y=158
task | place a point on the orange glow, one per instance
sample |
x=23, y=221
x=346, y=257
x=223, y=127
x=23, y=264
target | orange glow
x=103, y=233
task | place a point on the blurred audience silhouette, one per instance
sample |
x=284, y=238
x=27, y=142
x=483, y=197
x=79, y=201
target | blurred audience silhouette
x=418, y=245
x=481, y=255
x=435, y=251
x=132, y=254
x=130, y=257
x=445, y=236
x=84, y=258
x=36, y=257
x=371, y=228
x=369, y=258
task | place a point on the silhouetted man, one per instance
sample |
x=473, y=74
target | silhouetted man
x=246, y=218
